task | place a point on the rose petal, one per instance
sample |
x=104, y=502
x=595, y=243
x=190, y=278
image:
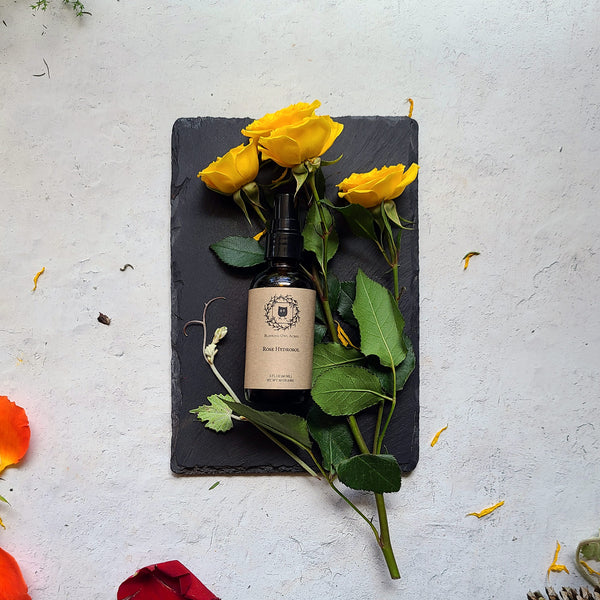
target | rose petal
x=14, y=433
x=12, y=584
x=164, y=581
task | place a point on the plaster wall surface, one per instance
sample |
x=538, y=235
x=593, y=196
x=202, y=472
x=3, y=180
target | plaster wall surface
x=507, y=96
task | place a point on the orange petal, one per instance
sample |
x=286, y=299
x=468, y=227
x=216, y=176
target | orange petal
x=14, y=433
x=12, y=584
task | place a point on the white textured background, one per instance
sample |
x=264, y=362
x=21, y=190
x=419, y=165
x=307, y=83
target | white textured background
x=507, y=98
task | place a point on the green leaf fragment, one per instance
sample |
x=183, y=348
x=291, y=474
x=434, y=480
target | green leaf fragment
x=380, y=322
x=332, y=435
x=346, y=390
x=291, y=427
x=216, y=415
x=238, y=251
x=313, y=235
x=379, y=473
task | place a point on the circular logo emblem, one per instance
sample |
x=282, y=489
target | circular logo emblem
x=282, y=312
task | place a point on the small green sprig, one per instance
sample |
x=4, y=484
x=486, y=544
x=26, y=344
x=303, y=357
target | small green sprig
x=76, y=5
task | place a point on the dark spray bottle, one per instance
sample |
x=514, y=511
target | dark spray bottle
x=280, y=323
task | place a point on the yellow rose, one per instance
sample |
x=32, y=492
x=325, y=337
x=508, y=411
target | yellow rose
x=372, y=188
x=233, y=171
x=291, y=145
x=286, y=116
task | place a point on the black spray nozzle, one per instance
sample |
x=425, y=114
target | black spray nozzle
x=285, y=237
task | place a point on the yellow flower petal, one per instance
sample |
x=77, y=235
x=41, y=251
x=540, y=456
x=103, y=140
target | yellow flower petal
x=436, y=437
x=486, y=511
x=554, y=567
x=234, y=170
x=378, y=185
x=281, y=118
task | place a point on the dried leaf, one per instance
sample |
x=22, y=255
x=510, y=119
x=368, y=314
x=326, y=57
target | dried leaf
x=14, y=433
x=467, y=257
x=486, y=511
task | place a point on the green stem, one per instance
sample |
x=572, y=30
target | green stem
x=385, y=541
x=360, y=440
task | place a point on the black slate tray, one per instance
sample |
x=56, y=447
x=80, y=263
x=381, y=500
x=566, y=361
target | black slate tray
x=200, y=217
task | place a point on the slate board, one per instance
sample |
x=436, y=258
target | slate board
x=200, y=217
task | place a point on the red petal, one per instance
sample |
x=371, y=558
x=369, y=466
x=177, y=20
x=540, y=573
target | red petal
x=14, y=433
x=164, y=581
x=12, y=584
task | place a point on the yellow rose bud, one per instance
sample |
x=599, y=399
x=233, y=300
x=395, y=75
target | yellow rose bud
x=286, y=116
x=232, y=171
x=291, y=145
x=372, y=188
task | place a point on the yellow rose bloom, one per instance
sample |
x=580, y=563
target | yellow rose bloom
x=286, y=116
x=372, y=188
x=291, y=145
x=232, y=171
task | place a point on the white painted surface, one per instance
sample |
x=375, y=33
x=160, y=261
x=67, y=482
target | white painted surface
x=507, y=98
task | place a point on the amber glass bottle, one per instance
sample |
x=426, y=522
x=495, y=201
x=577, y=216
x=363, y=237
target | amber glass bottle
x=280, y=323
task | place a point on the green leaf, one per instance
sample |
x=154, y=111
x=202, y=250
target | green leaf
x=238, y=251
x=327, y=356
x=291, y=427
x=3, y=499
x=313, y=235
x=346, y=390
x=380, y=322
x=346, y=300
x=389, y=206
x=403, y=370
x=216, y=415
x=360, y=220
x=379, y=473
x=332, y=435
x=320, y=332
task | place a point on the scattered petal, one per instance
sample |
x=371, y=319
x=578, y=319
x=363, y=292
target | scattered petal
x=12, y=584
x=14, y=433
x=412, y=105
x=486, y=511
x=589, y=569
x=260, y=234
x=36, y=277
x=467, y=257
x=436, y=437
x=554, y=567
x=344, y=337
x=164, y=581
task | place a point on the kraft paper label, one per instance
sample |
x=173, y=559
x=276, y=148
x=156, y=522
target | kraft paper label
x=280, y=338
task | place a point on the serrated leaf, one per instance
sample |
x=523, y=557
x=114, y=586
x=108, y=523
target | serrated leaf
x=327, y=356
x=238, y=251
x=216, y=415
x=346, y=390
x=379, y=320
x=332, y=435
x=379, y=473
x=291, y=427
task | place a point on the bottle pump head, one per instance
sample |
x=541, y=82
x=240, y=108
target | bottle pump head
x=285, y=238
